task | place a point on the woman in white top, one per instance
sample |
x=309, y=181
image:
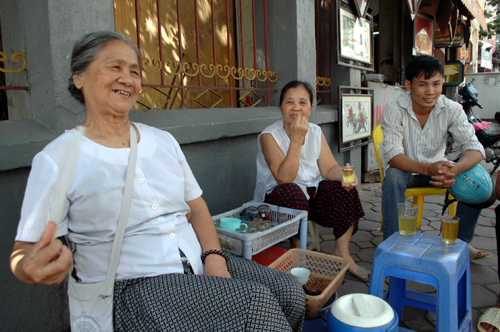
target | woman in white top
x=172, y=274
x=296, y=169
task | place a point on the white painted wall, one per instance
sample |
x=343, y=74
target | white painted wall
x=383, y=94
x=488, y=87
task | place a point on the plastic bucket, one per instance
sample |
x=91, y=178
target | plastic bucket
x=362, y=313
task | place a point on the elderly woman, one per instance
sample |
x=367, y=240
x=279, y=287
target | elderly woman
x=296, y=169
x=172, y=274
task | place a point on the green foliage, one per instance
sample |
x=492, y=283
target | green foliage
x=493, y=25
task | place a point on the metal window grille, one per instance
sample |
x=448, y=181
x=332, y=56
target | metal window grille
x=324, y=47
x=13, y=64
x=200, y=53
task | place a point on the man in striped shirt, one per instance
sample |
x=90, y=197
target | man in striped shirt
x=415, y=129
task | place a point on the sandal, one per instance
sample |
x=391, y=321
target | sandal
x=362, y=274
x=491, y=316
x=473, y=254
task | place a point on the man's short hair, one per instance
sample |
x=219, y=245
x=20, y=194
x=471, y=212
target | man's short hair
x=423, y=64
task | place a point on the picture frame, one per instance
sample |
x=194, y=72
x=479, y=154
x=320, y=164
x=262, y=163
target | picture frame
x=453, y=36
x=354, y=39
x=453, y=73
x=423, y=38
x=361, y=7
x=459, y=39
x=464, y=53
x=355, y=117
x=442, y=38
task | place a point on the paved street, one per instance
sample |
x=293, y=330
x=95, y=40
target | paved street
x=485, y=284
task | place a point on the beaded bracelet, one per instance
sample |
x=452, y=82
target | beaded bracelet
x=213, y=251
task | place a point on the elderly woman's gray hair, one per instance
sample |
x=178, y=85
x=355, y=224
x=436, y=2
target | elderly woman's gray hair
x=86, y=50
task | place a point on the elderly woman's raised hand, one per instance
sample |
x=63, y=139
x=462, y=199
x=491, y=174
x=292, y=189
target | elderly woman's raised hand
x=45, y=262
x=299, y=129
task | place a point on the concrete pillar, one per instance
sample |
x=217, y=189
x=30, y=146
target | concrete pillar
x=291, y=42
x=57, y=25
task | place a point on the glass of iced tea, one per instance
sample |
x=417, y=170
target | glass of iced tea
x=407, y=213
x=449, y=229
x=348, y=174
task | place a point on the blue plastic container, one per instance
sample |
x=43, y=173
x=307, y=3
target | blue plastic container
x=362, y=313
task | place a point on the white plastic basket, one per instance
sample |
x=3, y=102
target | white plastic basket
x=249, y=244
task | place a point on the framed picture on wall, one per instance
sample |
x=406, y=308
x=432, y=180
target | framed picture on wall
x=459, y=39
x=442, y=37
x=354, y=39
x=464, y=53
x=355, y=117
x=423, y=41
x=453, y=73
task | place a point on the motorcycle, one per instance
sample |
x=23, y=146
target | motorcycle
x=488, y=133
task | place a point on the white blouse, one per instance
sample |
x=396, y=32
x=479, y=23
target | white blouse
x=308, y=174
x=157, y=224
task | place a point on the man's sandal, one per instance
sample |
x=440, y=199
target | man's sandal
x=473, y=254
x=491, y=316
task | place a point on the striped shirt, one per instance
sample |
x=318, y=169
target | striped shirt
x=404, y=135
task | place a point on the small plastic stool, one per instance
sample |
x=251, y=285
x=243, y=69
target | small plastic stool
x=424, y=258
x=313, y=231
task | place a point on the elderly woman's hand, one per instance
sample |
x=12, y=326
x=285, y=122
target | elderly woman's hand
x=299, y=129
x=45, y=262
x=350, y=185
x=216, y=266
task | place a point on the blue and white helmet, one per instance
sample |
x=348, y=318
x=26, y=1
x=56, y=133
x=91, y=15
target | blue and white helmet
x=474, y=187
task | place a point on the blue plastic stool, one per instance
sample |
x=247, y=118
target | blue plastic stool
x=424, y=258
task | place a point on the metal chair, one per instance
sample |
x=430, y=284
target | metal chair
x=418, y=193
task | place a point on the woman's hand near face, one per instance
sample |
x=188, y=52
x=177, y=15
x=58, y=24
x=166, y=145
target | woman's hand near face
x=45, y=262
x=299, y=129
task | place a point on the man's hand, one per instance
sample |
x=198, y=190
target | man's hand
x=45, y=262
x=445, y=175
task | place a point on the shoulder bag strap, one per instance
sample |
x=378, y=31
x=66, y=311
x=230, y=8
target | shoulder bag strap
x=122, y=220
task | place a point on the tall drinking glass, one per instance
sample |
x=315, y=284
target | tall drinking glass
x=408, y=213
x=449, y=229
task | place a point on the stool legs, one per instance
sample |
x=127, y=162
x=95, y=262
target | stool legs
x=451, y=304
x=313, y=231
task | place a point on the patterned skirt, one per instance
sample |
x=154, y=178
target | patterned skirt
x=255, y=299
x=329, y=206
